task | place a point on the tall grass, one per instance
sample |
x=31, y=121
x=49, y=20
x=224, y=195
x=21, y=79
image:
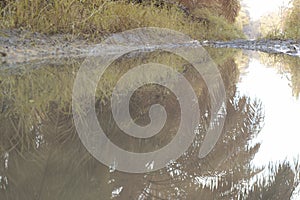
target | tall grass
x=98, y=18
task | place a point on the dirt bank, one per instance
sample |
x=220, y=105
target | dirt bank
x=18, y=46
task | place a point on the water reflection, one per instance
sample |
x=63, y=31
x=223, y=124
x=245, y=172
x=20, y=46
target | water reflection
x=43, y=158
x=281, y=110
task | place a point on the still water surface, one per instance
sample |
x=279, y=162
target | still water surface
x=256, y=156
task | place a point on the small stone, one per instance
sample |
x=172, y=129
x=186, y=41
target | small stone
x=292, y=49
x=3, y=54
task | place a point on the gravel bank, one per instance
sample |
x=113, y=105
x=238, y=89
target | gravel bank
x=290, y=47
x=22, y=46
x=19, y=47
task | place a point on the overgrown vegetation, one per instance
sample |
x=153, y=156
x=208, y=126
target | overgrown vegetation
x=292, y=25
x=282, y=25
x=286, y=65
x=95, y=19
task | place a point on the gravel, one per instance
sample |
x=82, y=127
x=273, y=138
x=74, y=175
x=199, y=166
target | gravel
x=290, y=47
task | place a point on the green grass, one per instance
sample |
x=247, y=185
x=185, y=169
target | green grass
x=95, y=19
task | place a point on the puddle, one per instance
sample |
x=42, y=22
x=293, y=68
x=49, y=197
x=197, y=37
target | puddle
x=255, y=157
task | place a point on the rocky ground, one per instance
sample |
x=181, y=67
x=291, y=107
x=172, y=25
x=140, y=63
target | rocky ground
x=18, y=46
x=290, y=47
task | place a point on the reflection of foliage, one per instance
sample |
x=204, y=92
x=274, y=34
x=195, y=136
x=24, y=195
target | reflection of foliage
x=227, y=167
x=293, y=67
x=26, y=98
x=281, y=187
x=55, y=165
x=60, y=168
x=242, y=61
x=220, y=56
x=224, y=172
x=287, y=65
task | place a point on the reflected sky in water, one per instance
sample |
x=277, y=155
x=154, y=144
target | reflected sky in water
x=42, y=157
x=280, y=135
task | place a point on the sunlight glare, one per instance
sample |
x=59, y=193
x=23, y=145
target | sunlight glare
x=259, y=8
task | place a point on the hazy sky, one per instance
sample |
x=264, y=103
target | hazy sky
x=258, y=8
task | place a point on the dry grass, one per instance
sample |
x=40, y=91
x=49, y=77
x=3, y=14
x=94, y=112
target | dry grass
x=95, y=19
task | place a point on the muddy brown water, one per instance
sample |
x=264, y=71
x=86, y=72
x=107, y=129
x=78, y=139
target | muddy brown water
x=256, y=156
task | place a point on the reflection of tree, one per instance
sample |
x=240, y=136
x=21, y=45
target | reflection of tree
x=59, y=169
x=286, y=65
x=293, y=63
x=48, y=161
x=281, y=187
x=224, y=171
